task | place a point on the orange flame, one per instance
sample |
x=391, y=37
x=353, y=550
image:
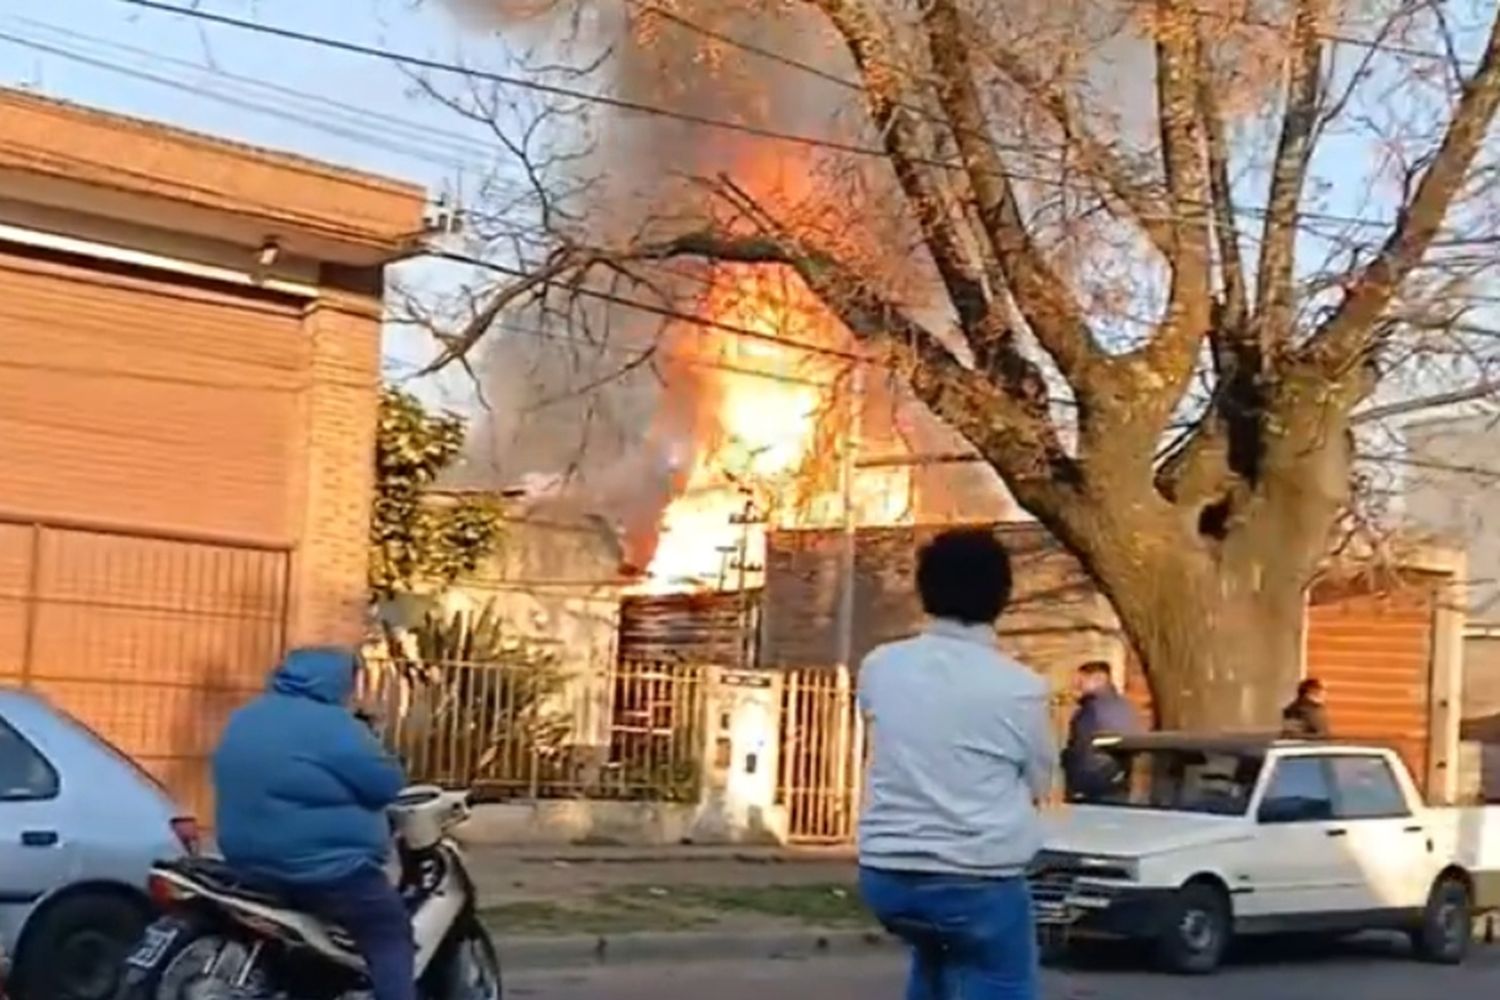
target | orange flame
x=765, y=454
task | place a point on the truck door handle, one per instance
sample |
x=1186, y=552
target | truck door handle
x=39, y=838
x=1337, y=832
x=1414, y=829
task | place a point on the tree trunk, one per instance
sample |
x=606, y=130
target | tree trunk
x=1217, y=625
x=1220, y=662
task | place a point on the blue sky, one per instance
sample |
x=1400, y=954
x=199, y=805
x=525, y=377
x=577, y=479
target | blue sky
x=358, y=80
x=192, y=60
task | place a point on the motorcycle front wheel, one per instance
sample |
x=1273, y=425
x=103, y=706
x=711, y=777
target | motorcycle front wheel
x=471, y=970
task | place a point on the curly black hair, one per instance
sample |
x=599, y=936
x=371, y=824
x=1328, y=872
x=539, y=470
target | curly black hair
x=964, y=575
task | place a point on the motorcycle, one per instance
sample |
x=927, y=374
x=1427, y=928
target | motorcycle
x=222, y=936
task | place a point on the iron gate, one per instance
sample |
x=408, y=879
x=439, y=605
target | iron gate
x=822, y=755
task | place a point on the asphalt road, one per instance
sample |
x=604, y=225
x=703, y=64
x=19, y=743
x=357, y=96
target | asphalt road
x=1361, y=974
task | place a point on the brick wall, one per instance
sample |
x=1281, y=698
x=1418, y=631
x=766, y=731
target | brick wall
x=340, y=407
x=1056, y=619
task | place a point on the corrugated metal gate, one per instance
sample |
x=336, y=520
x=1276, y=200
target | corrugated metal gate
x=1374, y=651
x=150, y=640
x=154, y=444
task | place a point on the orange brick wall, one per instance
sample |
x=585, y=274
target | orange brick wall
x=328, y=588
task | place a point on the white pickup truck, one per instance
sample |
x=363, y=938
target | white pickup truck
x=1201, y=839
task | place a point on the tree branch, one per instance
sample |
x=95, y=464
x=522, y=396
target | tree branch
x=458, y=346
x=1006, y=417
x=1040, y=295
x=873, y=52
x=1274, y=294
x=1226, y=225
x=1173, y=351
x=1346, y=334
x=1126, y=196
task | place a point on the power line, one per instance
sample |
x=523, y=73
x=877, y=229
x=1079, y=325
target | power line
x=772, y=55
x=521, y=83
x=678, y=315
x=390, y=145
x=643, y=108
x=361, y=117
x=684, y=359
x=612, y=298
x=666, y=312
x=672, y=314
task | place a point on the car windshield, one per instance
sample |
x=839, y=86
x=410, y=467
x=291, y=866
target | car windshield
x=1177, y=779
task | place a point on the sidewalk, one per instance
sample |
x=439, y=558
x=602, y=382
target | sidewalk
x=560, y=907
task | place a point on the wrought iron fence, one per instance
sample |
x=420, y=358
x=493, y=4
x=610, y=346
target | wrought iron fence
x=516, y=730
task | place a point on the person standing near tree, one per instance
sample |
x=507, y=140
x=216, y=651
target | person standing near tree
x=962, y=753
x=1102, y=710
x=1307, y=716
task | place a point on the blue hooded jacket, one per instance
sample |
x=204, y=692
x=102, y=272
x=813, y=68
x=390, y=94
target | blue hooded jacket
x=302, y=785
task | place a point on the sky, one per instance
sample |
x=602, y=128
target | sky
x=178, y=70
x=187, y=72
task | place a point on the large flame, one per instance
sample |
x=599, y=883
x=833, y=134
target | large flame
x=772, y=422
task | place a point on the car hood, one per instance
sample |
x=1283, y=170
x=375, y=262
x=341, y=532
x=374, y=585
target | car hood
x=1134, y=833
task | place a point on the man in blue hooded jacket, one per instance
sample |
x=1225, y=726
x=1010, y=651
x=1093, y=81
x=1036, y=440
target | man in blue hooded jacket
x=303, y=787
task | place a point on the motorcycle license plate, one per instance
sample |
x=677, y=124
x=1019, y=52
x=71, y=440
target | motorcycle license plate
x=153, y=947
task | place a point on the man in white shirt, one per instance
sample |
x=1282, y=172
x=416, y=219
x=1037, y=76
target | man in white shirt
x=962, y=754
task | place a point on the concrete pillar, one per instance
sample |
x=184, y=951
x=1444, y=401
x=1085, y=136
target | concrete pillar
x=742, y=759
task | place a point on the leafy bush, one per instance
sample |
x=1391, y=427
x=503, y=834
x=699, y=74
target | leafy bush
x=488, y=700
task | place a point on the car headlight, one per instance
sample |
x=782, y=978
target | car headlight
x=1107, y=868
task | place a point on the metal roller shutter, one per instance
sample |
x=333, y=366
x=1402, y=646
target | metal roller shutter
x=153, y=441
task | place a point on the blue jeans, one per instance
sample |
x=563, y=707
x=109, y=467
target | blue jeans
x=971, y=938
x=367, y=906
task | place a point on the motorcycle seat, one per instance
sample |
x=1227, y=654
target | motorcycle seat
x=217, y=876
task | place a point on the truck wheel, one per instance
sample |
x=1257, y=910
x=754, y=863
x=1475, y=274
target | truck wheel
x=1447, y=923
x=1195, y=932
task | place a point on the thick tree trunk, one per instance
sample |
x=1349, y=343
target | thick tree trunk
x=1217, y=623
x=1219, y=660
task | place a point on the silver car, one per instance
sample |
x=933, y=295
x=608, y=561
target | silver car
x=80, y=825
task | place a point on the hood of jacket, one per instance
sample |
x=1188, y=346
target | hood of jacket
x=321, y=673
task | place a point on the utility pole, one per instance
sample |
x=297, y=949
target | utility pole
x=748, y=518
x=848, y=468
x=849, y=765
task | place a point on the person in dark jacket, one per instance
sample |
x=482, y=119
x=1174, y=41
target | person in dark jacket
x=1102, y=710
x=1307, y=716
x=302, y=789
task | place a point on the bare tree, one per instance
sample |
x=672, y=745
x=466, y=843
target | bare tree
x=1143, y=324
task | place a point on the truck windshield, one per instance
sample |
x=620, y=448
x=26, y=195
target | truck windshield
x=1214, y=782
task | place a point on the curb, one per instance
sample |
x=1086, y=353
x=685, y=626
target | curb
x=636, y=949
